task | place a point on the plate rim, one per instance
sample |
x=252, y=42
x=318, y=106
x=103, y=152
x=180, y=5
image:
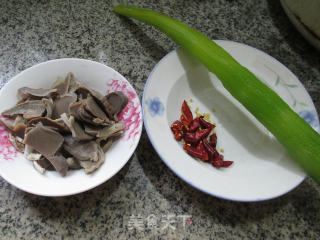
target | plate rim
x=176, y=172
x=138, y=137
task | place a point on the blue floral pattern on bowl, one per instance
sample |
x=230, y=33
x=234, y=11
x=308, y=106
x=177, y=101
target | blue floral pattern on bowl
x=310, y=117
x=155, y=106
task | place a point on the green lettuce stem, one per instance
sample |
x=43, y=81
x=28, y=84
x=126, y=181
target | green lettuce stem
x=301, y=141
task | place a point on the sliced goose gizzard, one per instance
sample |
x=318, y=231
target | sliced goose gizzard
x=29, y=109
x=63, y=85
x=27, y=93
x=107, y=145
x=108, y=135
x=91, y=106
x=77, y=131
x=81, y=150
x=30, y=154
x=68, y=126
x=7, y=122
x=48, y=103
x=110, y=131
x=74, y=109
x=89, y=154
x=44, y=163
x=86, y=116
x=90, y=166
x=44, y=140
x=61, y=105
x=59, y=163
x=73, y=83
x=114, y=103
x=103, y=133
x=38, y=167
x=83, y=91
x=78, y=110
x=17, y=142
x=73, y=163
x=92, y=130
x=16, y=126
x=19, y=126
x=56, y=124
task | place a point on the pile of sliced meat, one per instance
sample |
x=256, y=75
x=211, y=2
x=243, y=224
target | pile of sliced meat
x=66, y=127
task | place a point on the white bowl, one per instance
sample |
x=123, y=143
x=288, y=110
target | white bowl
x=300, y=13
x=18, y=171
x=262, y=168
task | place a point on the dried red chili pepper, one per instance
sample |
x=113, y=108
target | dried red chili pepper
x=212, y=152
x=177, y=126
x=227, y=163
x=206, y=124
x=186, y=111
x=177, y=130
x=202, y=133
x=218, y=161
x=201, y=148
x=195, y=133
x=185, y=121
x=195, y=152
x=213, y=140
x=194, y=125
x=178, y=136
x=190, y=138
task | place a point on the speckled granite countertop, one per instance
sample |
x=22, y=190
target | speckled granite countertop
x=36, y=31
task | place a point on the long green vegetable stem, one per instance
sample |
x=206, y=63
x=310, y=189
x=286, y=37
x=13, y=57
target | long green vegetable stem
x=300, y=140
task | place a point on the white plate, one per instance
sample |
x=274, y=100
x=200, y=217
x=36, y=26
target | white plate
x=18, y=171
x=262, y=168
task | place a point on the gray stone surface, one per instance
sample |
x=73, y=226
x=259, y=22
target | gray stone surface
x=35, y=31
